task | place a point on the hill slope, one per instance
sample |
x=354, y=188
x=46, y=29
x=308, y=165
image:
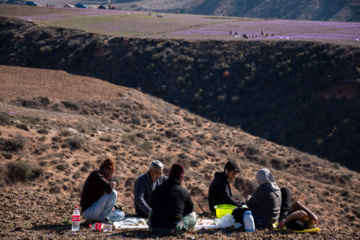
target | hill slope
x=300, y=94
x=334, y=10
x=59, y=127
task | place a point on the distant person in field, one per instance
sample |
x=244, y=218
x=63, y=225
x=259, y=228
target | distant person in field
x=220, y=190
x=145, y=185
x=297, y=217
x=172, y=208
x=265, y=203
x=98, y=196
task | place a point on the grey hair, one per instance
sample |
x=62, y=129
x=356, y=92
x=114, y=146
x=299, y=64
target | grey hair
x=156, y=164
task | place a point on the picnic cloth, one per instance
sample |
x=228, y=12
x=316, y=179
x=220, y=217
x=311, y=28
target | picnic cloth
x=131, y=222
x=310, y=230
x=141, y=223
x=224, y=222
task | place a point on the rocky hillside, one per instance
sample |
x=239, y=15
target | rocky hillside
x=299, y=94
x=56, y=127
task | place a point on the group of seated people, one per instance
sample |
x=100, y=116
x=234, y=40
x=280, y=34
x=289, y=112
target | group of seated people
x=169, y=206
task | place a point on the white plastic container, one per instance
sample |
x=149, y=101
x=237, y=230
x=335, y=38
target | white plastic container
x=249, y=223
x=76, y=220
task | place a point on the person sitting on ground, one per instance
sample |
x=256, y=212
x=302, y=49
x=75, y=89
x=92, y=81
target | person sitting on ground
x=220, y=190
x=98, y=196
x=297, y=217
x=145, y=185
x=172, y=208
x=265, y=203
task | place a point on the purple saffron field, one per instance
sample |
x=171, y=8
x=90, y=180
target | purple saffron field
x=278, y=29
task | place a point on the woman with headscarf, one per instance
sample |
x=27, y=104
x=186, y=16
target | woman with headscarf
x=265, y=203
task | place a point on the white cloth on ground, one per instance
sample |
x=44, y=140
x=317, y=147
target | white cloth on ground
x=141, y=223
x=131, y=222
x=224, y=222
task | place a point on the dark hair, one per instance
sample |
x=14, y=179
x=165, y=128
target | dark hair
x=232, y=166
x=177, y=171
x=296, y=224
x=108, y=163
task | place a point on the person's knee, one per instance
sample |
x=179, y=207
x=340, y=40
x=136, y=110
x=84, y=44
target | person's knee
x=113, y=196
x=114, y=193
x=285, y=191
x=195, y=215
x=88, y=215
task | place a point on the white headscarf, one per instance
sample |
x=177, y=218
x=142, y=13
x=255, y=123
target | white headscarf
x=264, y=176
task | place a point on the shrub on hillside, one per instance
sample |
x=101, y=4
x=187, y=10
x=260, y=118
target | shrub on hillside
x=15, y=144
x=85, y=169
x=41, y=148
x=74, y=143
x=71, y=105
x=129, y=138
x=1, y=176
x=245, y=186
x=135, y=119
x=4, y=119
x=43, y=131
x=65, y=133
x=278, y=164
x=22, y=172
x=44, y=101
x=62, y=167
x=147, y=146
x=29, y=103
x=22, y=126
x=56, y=139
x=106, y=138
x=210, y=167
x=252, y=150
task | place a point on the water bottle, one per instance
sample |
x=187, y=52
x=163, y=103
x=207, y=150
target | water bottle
x=76, y=219
x=101, y=227
x=249, y=224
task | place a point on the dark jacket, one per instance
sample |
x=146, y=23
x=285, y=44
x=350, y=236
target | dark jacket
x=169, y=203
x=96, y=185
x=220, y=192
x=265, y=202
x=143, y=189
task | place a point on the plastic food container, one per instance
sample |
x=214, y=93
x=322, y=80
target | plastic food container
x=223, y=209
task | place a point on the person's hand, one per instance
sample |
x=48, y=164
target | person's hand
x=113, y=209
x=248, y=197
x=281, y=224
x=113, y=184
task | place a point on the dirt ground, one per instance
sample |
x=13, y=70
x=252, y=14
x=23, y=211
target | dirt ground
x=61, y=126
